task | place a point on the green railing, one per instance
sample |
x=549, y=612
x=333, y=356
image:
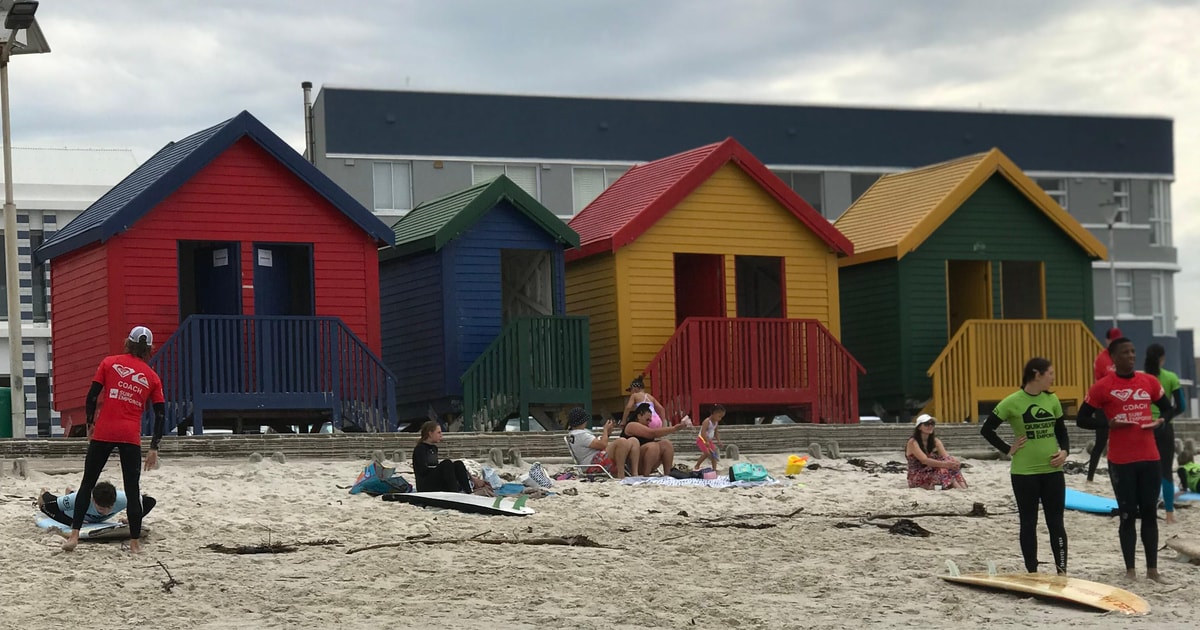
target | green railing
x=534, y=361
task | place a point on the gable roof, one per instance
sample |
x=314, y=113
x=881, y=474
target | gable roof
x=644, y=194
x=434, y=223
x=175, y=164
x=901, y=211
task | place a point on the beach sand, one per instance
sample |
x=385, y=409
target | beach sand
x=666, y=571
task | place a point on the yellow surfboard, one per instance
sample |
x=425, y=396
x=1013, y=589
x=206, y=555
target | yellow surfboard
x=1087, y=593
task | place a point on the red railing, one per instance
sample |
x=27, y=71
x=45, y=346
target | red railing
x=756, y=363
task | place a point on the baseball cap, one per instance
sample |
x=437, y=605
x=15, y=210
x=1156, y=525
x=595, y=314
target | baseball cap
x=139, y=332
x=1114, y=333
x=923, y=418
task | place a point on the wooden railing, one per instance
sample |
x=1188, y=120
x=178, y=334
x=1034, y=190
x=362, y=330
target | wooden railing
x=756, y=363
x=268, y=363
x=983, y=363
x=534, y=360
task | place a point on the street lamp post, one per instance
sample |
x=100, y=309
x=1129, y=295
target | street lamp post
x=18, y=17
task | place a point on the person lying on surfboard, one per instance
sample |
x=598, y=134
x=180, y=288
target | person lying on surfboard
x=106, y=502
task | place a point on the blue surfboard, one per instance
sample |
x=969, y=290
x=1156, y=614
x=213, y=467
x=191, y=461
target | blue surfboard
x=1092, y=503
x=1188, y=496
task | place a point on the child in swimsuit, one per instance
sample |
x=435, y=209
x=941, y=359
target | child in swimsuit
x=638, y=395
x=709, y=441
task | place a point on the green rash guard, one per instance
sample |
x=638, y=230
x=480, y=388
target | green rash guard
x=1034, y=417
x=1170, y=383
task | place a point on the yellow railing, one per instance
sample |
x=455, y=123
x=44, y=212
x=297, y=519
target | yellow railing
x=983, y=363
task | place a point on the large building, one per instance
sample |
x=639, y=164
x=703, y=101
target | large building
x=394, y=149
x=50, y=187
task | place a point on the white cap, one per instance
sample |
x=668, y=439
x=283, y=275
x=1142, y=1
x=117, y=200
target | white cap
x=139, y=332
x=923, y=418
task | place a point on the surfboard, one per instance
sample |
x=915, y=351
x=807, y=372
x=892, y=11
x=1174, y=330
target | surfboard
x=90, y=531
x=1187, y=548
x=1188, y=496
x=1069, y=589
x=471, y=503
x=1093, y=503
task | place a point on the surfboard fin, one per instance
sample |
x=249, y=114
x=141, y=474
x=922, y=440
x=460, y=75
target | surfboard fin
x=952, y=567
x=497, y=503
x=520, y=503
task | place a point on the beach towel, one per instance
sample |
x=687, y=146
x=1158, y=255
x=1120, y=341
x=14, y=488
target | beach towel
x=720, y=482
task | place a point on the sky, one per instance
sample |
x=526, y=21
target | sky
x=140, y=73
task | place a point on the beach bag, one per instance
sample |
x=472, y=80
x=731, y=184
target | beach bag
x=744, y=471
x=377, y=479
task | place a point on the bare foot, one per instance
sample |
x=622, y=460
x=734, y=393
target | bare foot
x=1131, y=574
x=71, y=542
x=135, y=545
x=1152, y=574
x=1170, y=518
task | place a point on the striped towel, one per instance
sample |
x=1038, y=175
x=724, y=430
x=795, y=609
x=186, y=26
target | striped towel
x=719, y=482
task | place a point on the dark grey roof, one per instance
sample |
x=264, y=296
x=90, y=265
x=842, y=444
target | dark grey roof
x=362, y=121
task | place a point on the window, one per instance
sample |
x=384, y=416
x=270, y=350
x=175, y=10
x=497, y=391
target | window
x=588, y=183
x=1160, y=213
x=1162, y=304
x=860, y=182
x=40, y=294
x=1057, y=189
x=1124, y=292
x=42, y=385
x=806, y=184
x=525, y=176
x=392, y=185
x=3, y=279
x=1120, y=199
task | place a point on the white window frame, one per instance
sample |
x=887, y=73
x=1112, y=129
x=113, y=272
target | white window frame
x=609, y=173
x=1162, y=304
x=393, y=207
x=1120, y=197
x=788, y=177
x=537, y=175
x=1058, y=193
x=1160, y=214
x=1124, y=303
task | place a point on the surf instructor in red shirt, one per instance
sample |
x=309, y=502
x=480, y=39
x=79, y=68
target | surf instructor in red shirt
x=1125, y=397
x=123, y=386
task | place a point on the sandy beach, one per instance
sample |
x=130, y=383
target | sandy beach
x=665, y=570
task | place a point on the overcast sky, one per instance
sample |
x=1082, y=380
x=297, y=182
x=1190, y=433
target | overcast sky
x=138, y=74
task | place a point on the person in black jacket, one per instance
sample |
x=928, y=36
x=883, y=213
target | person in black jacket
x=434, y=475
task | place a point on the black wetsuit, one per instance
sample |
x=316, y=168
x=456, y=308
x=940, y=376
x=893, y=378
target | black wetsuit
x=438, y=476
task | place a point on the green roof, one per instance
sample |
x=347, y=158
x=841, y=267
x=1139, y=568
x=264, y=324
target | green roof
x=432, y=224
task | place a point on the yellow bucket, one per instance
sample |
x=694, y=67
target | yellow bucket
x=795, y=464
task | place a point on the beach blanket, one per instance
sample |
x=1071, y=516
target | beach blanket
x=720, y=482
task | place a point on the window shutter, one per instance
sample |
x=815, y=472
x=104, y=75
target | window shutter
x=484, y=172
x=382, y=175
x=587, y=184
x=525, y=177
x=402, y=186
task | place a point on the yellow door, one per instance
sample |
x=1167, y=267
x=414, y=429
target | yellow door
x=968, y=292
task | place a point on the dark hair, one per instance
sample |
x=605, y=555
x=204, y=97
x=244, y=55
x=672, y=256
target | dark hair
x=1033, y=368
x=639, y=382
x=428, y=428
x=717, y=409
x=1116, y=343
x=1185, y=457
x=104, y=494
x=638, y=410
x=930, y=445
x=139, y=349
x=1154, y=353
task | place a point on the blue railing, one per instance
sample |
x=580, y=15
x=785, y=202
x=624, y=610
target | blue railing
x=262, y=363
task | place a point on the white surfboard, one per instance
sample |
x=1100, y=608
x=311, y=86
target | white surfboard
x=471, y=503
x=90, y=531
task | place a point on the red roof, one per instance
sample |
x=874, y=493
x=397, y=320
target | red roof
x=648, y=191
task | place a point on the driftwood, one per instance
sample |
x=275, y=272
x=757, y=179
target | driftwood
x=977, y=510
x=564, y=541
x=903, y=527
x=270, y=547
x=168, y=583
x=735, y=525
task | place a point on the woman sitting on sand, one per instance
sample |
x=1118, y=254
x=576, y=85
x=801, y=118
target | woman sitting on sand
x=928, y=463
x=654, y=451
x=434, y=475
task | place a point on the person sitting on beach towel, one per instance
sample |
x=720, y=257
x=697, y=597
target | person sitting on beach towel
x=445, y=475
x=106, y=503
x=607, y=452
x=928, y=463
x=654, y=450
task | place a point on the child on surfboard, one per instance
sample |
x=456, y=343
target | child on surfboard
x=106, y=502
x=709, y=440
